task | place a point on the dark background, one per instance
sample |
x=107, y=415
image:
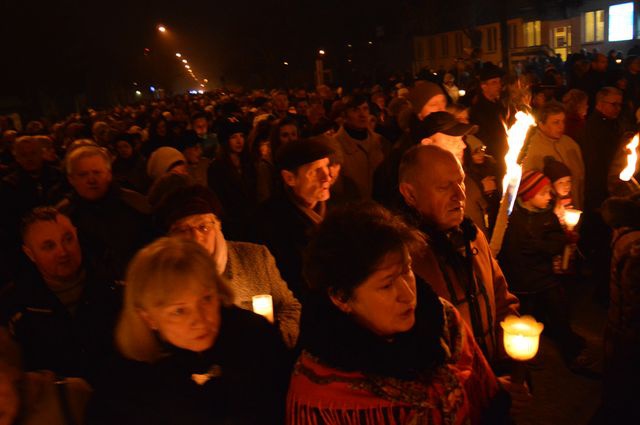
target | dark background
x=62, y=55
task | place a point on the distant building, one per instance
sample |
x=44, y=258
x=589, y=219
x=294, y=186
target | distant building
x=595, y=24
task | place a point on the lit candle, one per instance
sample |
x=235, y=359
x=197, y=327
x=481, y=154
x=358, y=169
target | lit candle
x=521, y=337
x=571, y=218
x=263, y=305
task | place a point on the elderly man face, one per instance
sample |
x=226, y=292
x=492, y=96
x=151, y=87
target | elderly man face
x=91, y=177
x=310, y=182
x=436, y=188
x=491, y=88
x=610, y=106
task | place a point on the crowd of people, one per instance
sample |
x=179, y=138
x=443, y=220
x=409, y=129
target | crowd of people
x=135, y=238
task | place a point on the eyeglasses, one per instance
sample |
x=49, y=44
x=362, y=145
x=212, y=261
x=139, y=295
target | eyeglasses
x=203, y=228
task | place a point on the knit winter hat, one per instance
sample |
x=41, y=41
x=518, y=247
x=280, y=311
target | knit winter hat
x=421, y=93
x=555, y=169
x=531, y=183
x=162, y=160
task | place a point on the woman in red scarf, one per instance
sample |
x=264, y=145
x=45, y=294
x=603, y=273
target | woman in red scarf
x=379, y=347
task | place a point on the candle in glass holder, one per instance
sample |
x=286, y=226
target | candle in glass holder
x=571, y=218
x=521, y=337
x=263, y=305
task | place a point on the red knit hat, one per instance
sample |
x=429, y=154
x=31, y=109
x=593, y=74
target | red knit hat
x=531, y=183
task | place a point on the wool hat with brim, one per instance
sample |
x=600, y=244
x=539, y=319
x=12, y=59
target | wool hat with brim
x=293, y=155
x=490, y=71
x=555, y=169
x=444, y=122
x=162, y=160
x=421, y=93
x=532, y=182
x=185, y=202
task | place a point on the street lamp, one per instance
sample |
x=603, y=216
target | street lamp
x=321, y=52
x=184, y=61
x=162, y=28
x=285, y=63
x=178, y=55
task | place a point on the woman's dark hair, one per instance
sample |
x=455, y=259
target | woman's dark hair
x=350, y=244
x=275, y=131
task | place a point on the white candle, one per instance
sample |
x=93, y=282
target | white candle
x=263, y=305
x=521, y=337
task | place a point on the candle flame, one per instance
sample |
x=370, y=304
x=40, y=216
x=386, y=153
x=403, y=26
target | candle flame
x=632, y=160
x=516, y=136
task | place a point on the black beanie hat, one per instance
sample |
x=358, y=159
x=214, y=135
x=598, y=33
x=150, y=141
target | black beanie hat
x=555, y=169
x=228, y=127
x=295, y=154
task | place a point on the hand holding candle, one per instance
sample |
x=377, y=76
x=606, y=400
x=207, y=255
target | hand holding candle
x=571, y=218
x=521, y=341
x=263, y=305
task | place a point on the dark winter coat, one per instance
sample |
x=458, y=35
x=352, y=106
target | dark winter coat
x=531, y=241
x=51, y=337
x=285, y=230
x=250, y=368
x=112, y=229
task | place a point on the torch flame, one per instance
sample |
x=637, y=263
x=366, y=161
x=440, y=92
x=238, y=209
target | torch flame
x=632, y=160
x=516, y=136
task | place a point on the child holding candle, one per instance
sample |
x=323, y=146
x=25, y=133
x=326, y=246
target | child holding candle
x=561, y=185
x=532, y=240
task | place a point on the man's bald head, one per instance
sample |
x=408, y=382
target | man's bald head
x=432, y=182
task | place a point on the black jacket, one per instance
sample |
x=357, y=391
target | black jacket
x=52, y=338
x=531, y=241
x=252, y=371
x=112, y=229
x=285, y=230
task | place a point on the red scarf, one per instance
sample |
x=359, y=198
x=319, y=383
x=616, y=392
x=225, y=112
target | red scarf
x=452, y=394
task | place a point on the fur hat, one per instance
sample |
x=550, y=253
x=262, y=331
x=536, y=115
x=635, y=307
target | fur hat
x=531, y=183
x=162, y=160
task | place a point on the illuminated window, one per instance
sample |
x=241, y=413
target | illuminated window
x=594, y=26
x=532, y=31
x=621, y=22
x=492, y=39
x=445, y=45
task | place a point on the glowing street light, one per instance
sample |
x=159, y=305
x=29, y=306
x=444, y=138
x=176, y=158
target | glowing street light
x=162, y=28
x=178, y=55
x=184, y=61
x=138, y=93
x=187, y=66
x=321, y=52
x=285, y=63
x=205, y=80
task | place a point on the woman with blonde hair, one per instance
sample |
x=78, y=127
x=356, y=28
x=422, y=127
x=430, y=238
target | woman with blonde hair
x=189, y=355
